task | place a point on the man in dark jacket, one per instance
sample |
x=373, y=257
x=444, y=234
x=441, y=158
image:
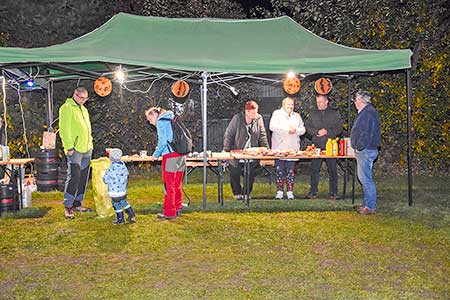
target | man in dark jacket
x=323, y=123
x=365, y=139
x=246, y=130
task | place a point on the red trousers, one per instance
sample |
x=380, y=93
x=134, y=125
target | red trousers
x=173, y=167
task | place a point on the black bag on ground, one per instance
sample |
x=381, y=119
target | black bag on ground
x=182, y=138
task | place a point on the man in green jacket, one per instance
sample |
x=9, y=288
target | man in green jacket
x=76, y=137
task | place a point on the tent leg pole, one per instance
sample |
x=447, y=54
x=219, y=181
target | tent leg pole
x=49, y=105
x=409, y=120
x=204, y=96
x=349, y=106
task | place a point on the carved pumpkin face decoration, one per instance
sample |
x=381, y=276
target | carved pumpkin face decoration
x=180, y=88
x=323, y=86
x=103, y=86
x=291, y=85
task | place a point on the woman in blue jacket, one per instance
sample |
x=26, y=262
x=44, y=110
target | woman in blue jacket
x=173, y=163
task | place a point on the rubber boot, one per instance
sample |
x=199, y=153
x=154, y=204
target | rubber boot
x=131, y=215
x=119, y=218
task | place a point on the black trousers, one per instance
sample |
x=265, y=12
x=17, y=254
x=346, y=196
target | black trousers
x=237, y=171
x=316, y=164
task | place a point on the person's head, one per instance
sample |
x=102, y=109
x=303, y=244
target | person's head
x=152, y=114
x=80, y=95
x=251, y=109
x=362, y=98
x=288, y=104
x=321, y=101
x=115, y=154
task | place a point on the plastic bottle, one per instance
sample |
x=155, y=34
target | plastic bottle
x=5, y=153
x=342, y=147
x=26, y=197
x=329, y=147
x=334, y=148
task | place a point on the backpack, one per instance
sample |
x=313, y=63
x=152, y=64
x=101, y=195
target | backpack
x=182, y=138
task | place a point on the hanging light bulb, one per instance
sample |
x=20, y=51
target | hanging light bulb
x=120, y=75
x=290, y=75
x=29, y=83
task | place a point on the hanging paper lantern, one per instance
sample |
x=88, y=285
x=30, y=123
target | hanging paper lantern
x=291, y=85
x=180, y=88
x=323, y=86
x=103, y=86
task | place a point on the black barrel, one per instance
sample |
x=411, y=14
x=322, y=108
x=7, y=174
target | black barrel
x=47, y=163
x=8, y=198
x=62, y=176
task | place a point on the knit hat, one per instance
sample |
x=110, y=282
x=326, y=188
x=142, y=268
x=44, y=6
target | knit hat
x=115, y=154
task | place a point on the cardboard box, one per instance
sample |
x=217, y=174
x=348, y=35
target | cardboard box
x=49, y=140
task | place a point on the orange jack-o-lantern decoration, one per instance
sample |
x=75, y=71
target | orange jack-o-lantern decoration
x=291, y=85
x=103, y=86
x=180, y=88
x=323, y=86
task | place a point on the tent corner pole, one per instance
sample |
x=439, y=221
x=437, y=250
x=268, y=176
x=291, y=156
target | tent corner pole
x=49, y=105
x=409, y=128
x=204, y=97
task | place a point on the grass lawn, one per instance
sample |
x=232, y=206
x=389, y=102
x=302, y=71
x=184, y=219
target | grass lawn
x=301, y=249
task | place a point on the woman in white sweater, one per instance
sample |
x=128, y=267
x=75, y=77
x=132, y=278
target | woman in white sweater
x=287, y=127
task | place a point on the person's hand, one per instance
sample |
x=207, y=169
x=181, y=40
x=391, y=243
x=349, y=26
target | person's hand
x=292, y=130
x=322, y=132
x=70, y=152
x=153, y=158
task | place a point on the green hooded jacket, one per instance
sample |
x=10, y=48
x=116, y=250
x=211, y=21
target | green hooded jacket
x=75, y=127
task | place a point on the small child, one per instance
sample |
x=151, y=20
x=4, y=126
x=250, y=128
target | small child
x=116, y=177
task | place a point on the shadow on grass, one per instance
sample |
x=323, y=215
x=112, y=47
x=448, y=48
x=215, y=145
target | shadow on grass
x=27, y=213
x=256, y=206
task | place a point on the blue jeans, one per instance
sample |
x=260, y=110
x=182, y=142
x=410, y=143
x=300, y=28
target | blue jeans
x=78, y=165
x=364, y=160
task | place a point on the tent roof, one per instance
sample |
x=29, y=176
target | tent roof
x=270, y=46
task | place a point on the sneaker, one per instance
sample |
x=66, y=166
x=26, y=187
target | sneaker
x=333, y=197
x=68, y=212
x=311, y=196
x=290, y=195
x=163, y=216
x=82, y=209
x=239, y=197
x=365, y=211
x=279, y=195
x=117, y=222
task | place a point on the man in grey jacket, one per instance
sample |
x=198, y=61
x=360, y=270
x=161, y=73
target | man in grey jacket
x=246, y=130
x=323, y=123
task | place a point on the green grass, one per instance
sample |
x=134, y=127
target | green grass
x=302, y=249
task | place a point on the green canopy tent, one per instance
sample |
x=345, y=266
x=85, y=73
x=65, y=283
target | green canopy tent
x=209, y=50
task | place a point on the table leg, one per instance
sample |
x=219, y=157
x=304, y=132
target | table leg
x=247, y=182
x=219, y=182
x=344, y=188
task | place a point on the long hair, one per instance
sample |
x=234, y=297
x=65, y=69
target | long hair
x=154, y=110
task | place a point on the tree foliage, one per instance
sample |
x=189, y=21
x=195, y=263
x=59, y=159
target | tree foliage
x=421, y=26
x=118, y=119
